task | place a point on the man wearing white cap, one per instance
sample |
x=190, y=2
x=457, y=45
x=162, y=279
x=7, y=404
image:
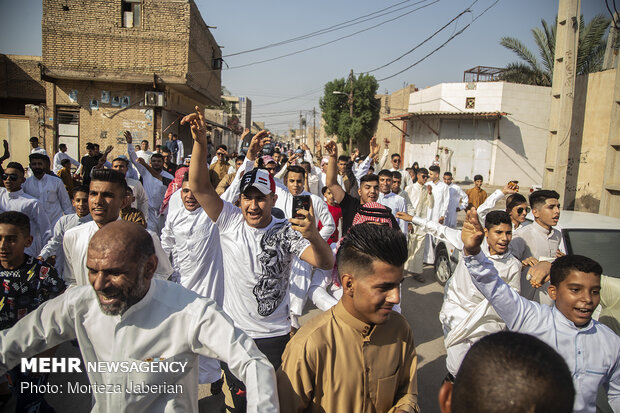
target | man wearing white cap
x=257, y=252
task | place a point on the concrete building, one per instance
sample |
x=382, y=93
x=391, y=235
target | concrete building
x=124, y=64
x=496, y=129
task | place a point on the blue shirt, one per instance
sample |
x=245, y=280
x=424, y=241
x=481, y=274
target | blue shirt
x=592, y=352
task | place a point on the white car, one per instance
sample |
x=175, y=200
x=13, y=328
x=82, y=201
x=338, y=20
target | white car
x=583, y=233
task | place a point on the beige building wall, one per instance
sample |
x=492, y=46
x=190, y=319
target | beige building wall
x=392, y=105
x=592, y=117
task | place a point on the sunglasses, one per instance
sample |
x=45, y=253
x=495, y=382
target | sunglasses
x=396, y=160
x=424, y=176
x=271, y=169
x=12, y=177
x=219, y=154
x=520, y=210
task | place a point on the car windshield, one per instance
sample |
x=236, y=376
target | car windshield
x=599, y=244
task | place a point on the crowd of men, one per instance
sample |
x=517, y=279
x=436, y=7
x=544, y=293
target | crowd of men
x=153, y=258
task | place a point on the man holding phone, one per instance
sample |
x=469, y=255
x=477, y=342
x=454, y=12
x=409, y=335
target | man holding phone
x=257, y=252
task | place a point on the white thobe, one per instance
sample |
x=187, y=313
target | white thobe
x=457, y=199
x=180, y=153
x=75, y=247
x=52, y=194
x=54, y=245
x=441, y=198
x=445, y=161
x=146, y=155
x=193, y=240
x=155, y=190
x=592, y=352
x=397, y=204
x=40, y=227
x=301, y=271
x=466, y=316
x=535, y=241
x=58, y=158
x=170, y=324
x=142, y=200
x=408, y=203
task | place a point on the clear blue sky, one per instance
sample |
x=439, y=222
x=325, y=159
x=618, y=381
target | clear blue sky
x=246, y=24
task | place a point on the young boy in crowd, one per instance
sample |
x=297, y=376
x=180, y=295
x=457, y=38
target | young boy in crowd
x=335, y=211
x=477, y=195
x=26, y=283
x=65, y=174
x=591, y=350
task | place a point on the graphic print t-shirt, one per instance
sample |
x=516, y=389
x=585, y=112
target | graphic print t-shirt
x=25, y=288
x=257, y=267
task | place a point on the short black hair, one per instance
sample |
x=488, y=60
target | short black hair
x=295, y=169
x=497, y=217
x=38, y=156
x=165, y=149
x=511, y=372
x=540, y=197
x=344, y=158
x=109, y=175
x=434, y=168
x=18, y=219
x=65, y=162
x=119, y=159
x=34, y=139
x=222, y=147
x=422, y=171
x=324, y=189
x=96, y=145
x=157, y=155
x=385, y=172
x=240, y=158
x=397, y=175
x=513, y=200
x=562, y=266
x=447, y=174
x=394, y=155
x=61, y=145
x=365, y=243
x=477, y=178
x=144, y=140
x=369, y=178
x=79, y=188
x=16, y=165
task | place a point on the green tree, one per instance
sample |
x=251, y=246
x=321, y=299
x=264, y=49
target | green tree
x=590, y=54
x=336, y=109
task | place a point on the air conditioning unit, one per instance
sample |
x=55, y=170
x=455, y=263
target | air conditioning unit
x=154, y=99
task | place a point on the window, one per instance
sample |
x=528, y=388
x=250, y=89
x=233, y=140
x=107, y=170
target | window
x=599, y=244
x=470, y=103
x=131, y=13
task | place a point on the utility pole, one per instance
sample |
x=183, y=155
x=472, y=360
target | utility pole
x=351, y=111
x=562, y=157
x=300, y=130
x=313, y=128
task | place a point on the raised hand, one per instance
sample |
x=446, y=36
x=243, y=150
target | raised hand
x=108, y=149
x=128, y=137
x=197, y=125
x=305, y=147
x=374, y=147
x=331, y=148
x=539, y=274
x=510, y=188
x=256, y=145
x=306, y=224
x=472, y=233
x=6, y=154
x=386, y=143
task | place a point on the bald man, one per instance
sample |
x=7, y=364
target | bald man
x=126, y=315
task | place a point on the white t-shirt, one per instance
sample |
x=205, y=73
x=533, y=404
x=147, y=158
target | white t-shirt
x=257, y=264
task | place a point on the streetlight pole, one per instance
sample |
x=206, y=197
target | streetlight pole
x=351, y=112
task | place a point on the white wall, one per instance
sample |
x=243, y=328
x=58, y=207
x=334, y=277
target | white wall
x=518, y=154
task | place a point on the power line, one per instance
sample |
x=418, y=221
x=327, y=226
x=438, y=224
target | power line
x=442, y=45
x=332, y=41
x=321, y=31
x=467, y=10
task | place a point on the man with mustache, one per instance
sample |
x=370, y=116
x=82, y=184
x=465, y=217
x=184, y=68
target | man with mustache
x=124, y=315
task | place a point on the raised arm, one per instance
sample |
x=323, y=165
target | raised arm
x=489, y=203
x=199, y=180
x=519, y=313
x=331, y=175
x=363, y=168
x=131, y=151
x=318, y=254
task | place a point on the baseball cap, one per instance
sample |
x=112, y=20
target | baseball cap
x=259, y=179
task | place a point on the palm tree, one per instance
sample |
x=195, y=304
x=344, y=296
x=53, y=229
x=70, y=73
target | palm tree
x=592, y=43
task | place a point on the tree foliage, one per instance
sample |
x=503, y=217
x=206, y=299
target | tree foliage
x=336, y=111
x=590, y=54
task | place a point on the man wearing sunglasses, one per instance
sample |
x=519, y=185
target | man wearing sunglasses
x=422, y=202
x=13, y=198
